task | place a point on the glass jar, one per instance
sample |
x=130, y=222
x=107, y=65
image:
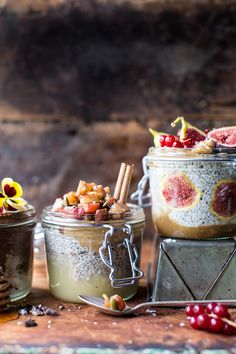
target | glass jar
x=88, y=258
x=16, y=251
x=192, y=195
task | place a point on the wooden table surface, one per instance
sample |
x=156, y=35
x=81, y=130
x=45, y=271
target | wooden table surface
x=82, y=329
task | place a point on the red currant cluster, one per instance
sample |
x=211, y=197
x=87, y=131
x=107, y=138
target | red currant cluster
x=170, y=141
x=214, y=318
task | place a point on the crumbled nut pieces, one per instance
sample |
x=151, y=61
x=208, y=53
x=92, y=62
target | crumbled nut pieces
x=38, y=310
x=51, y=312
x=204, y=147
x=23, y=312
x=115, y=302
x=31, y=323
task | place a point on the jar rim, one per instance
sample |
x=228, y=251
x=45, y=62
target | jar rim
x=180, y=154
x=17, y=218
x=134, y=216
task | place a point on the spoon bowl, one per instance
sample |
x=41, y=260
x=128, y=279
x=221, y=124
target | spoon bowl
x=98, y=302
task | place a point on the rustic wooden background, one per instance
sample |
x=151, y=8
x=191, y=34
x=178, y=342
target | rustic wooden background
x=81, y=81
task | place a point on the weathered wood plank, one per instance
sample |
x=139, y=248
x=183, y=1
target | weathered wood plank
x=112, y=60
x=83, y=327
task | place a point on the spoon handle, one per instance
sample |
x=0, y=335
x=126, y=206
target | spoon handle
x=180, y=303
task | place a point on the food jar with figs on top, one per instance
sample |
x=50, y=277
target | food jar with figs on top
x=192, y=183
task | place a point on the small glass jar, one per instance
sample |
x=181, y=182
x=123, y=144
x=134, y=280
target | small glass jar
x=192, y=195
x=88, y=258
x=16, y=251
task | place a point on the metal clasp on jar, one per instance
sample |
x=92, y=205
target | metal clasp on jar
x=143, y=198
x=108, y=259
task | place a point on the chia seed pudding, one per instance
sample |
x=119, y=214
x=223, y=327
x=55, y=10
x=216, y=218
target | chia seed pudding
x=73, y=261
x=193, y=195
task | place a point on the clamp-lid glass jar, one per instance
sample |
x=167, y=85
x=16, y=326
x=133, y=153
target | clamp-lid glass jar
x=192, y=195
x=88, y=258
x=16, y=251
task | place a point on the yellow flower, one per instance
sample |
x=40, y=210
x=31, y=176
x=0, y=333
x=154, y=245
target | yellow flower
x=10, y=196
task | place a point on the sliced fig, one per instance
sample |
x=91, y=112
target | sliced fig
x=179, y=192
x=156, y=136
x=189, y=134
x=223, y=136
x=223, y=204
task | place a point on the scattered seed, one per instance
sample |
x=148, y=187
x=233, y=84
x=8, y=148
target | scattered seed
x=30, y=323
x=61, y=307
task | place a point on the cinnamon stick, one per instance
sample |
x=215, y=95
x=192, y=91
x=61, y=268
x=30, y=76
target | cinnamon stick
x=119, y=181
x=126, y=184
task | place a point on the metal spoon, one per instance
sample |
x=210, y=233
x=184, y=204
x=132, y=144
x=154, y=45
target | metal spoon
x=98, y=303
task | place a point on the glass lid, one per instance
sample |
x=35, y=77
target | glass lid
x=165, y=154
x=133, y=216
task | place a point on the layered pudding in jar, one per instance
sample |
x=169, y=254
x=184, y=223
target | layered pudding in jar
x=76, y=228
x=17, y=223
x=193, y=186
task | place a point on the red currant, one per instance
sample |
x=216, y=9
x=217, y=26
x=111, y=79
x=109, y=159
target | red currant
x=216, y=324
x=228, y=329
x=198, y=309
x=170, y=139
x=221, y=310
x=203, y=321
x=193, y=322
x=210, y=307
x=189, y=310
x=162, y=140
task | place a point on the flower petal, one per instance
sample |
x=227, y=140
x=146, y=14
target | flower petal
x=11, y=188
x=15, y=204
x=2, y=200
x=6, y=181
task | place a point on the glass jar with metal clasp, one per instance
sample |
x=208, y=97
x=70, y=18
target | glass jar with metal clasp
x=192, y=196
x=89, y=258
x=16, y=251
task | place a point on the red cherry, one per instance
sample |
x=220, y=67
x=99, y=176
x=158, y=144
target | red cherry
x=170, y=139
x=198, y=309
x=162, y=140
x=189, y=310
x=216, y=324
x=210, y=307
x=228, y=329
x=193, y=322
x=203, y=321
x=221, y=310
